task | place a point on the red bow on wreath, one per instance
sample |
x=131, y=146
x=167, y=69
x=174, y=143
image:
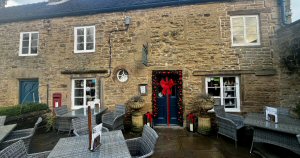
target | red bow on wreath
x=167, y=85
x=191, y=117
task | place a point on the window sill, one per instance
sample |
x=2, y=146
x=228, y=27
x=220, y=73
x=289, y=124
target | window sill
x=80, y=52
x=25, y=55
x=246, y=46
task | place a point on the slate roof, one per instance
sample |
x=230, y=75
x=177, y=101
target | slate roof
x=84, y=7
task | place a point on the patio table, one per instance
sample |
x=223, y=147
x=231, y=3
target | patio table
x=112, y=145
x=282, y=134
x=82, y=112
x=5, y=130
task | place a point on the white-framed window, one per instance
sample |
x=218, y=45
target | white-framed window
x=225, y=90
x=245, y=30
x=29, y=42
x=83, y=90
x=84, y=39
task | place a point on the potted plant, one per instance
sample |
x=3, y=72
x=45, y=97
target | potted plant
x=136, y=103
x=202, y=103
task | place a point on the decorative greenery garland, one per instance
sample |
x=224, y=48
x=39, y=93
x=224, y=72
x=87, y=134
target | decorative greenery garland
x=156, y=85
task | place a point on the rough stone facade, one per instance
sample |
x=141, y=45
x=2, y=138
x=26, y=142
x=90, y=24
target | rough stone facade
x=288, y=39
x=193, y=38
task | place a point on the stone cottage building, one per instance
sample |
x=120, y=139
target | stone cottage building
x=74, y=51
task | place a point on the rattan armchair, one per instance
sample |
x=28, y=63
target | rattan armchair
x=18, y=149
x=143, y=146
x=228, y=124
x=80, y=126
x=63, y=123
x=25, y=135
x=114, y=120
x=2, y=120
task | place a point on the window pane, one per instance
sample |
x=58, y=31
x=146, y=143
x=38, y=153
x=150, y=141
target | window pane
x=91, y=83
x=24, y=50
x=90, y=39
x=80, y=46
x=79, y=101
x=79, y=83
x=80, y=39
x=78, y=92
x=80, y=31
x=214, y=88
x=34, y=36
x=238, y=21
x=238, y=30
x=34, y=43
x=230, y=102
x=25, y=43
x=238, y=39
x=26, y=37
x=251, y=30
x=33, y=50
x=89, y=46
x=251, y=39
x=251, y=21
x=90, y=31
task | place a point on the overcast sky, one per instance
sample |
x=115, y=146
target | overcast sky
x=295, y=6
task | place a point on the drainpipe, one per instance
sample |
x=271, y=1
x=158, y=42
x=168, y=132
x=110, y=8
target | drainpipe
x=282, y=4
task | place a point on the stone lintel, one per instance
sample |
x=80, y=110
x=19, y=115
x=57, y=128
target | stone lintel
x=249, y=12
x=261, y=72
x=71, y=72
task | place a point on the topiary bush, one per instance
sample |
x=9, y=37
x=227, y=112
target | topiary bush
x=22, y=109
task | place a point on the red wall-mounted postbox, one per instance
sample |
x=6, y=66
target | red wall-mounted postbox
x=56, y=100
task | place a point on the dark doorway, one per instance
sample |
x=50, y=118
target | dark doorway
x=167, y=97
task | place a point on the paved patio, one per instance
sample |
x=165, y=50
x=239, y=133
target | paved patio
x=178, y=143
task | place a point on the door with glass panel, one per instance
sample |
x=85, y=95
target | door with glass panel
x=84, y=90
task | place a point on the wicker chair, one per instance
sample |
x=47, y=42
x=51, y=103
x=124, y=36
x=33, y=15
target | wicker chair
x=25, y=135
x=143, y=146
x=18, y=149
x=228, y=124
x=80, y=126
x=63, y=123
x=2, y=120
x=114, y=120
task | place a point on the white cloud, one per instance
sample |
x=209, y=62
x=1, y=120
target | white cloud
x=11, y=3
x=295, y=6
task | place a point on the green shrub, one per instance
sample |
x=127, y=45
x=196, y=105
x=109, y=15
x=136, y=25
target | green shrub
x=25, y=108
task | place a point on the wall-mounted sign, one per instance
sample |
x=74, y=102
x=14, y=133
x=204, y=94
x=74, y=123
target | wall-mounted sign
x=143, y=89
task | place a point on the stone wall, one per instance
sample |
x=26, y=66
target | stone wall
x=193, y=38
x=289, y=38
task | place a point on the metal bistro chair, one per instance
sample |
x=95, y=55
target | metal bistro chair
x=114, y=120
x=228, y=124
x=143, y=146
x=24, y=134
x=63, y=123
x=18, y=149
x=2, y=120
x=80, y=126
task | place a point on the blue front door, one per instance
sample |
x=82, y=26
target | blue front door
x=162, y=118
x=162, y=99
x=29, y=91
